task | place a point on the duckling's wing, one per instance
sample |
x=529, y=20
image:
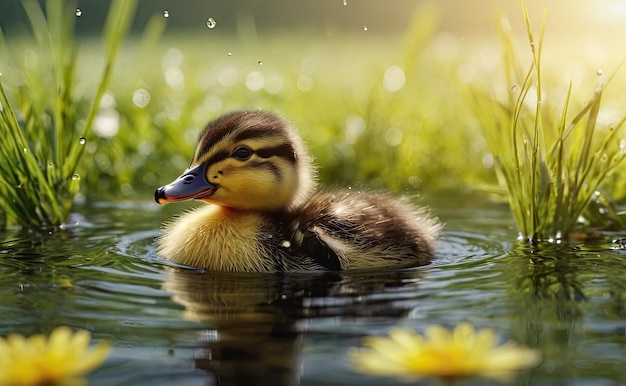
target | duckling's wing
x=312, y=247
x=347, y=229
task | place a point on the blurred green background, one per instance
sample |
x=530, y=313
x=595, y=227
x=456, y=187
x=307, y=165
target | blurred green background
x=381, y=91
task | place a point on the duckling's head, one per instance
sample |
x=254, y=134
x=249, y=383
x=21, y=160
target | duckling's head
x=246, y=160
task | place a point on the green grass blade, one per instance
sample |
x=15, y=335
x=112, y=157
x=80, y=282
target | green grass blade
x=551, y=171
x=118, y=22
x=37, y=180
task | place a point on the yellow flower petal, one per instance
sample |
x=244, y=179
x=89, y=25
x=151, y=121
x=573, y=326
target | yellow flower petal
x=462, y=352
x=463, y=332
x=407, y=338
x=486, y=339
x=371, y=362
x=385, y=347
x=62, y=358
x=437, y=335
x=511, y=356
x=93, y=358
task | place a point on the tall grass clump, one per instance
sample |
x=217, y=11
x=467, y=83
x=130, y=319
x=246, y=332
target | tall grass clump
x=44, y=123
x=552, y=167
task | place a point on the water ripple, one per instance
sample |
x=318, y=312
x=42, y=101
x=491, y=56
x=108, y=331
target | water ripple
x=173, y=323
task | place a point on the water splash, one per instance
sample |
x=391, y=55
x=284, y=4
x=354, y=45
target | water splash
x=211, y=23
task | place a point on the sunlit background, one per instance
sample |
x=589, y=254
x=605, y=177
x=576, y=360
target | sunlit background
x=570, y=22
x=354, y=75
x=388, y=94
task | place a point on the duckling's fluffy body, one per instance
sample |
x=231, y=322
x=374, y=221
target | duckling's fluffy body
x=263, y=216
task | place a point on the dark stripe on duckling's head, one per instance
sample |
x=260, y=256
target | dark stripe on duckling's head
x=241, y=125
x=216, y=130
x=217, y=157
x=284, y=151
x=269, y=166
x=241, y=140
x=258, y=131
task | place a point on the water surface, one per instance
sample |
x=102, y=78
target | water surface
x=174, y=324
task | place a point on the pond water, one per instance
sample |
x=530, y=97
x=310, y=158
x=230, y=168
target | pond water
x=172, y=324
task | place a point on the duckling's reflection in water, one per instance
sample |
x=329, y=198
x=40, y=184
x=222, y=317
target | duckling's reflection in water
x=257, y=321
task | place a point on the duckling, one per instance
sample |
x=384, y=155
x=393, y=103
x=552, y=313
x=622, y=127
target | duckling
x=265, y=213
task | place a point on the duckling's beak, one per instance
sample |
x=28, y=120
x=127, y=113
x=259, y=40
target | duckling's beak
x=191, y=185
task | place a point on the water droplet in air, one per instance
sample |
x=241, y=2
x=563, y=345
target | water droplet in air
x=75, y=177
x=600, y=74
x=260, y=63
x=166, y=13
x=345, y=2
x=230, y=54
x=211, y=23
x=365, y=28
x=50, y=164
x=79, y=13
x=82, y=140
x=462, y=39
x=141, y=98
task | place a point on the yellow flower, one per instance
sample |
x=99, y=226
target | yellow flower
x=442, y=353
x=61, y=359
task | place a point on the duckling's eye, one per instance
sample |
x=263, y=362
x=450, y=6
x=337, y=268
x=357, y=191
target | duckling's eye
x=242, y=153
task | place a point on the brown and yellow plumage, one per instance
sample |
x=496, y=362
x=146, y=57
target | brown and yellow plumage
x=264, y=215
